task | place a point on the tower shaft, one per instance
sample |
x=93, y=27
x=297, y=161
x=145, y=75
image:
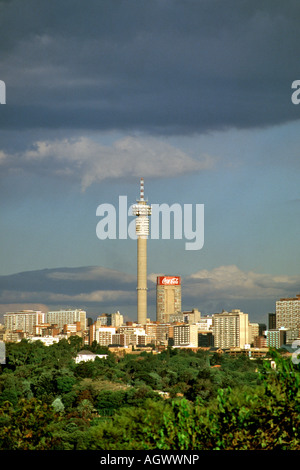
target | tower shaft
x=142, y=280
x=142, y=211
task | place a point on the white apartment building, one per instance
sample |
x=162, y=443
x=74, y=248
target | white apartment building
x=66, y=317
x=24, y=320
x=46, y=340
x=186, y=335
x=231, y=329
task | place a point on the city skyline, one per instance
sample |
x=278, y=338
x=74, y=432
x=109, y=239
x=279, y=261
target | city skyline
x=193, y=96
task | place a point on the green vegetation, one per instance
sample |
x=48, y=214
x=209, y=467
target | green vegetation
x=210, y=401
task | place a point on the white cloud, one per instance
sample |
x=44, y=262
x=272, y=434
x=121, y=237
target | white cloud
x=90, y=161
x=230, y=282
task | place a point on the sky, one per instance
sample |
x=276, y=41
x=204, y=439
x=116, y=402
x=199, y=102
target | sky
x=194, y=96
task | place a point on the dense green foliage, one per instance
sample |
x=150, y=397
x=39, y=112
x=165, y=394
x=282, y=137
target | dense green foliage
x=210, y=401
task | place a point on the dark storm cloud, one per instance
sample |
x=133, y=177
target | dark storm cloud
x=68, y=281
x=163, y=65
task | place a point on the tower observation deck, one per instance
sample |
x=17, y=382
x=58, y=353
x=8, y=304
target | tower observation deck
x=142, y=211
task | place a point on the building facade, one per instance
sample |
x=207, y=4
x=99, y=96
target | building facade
x=168, y=297
x=186, y=335
x=272, y=321
x=288, y=313
x=231, y=329
x=276, y=338
x=66, y=317
x=24, y=321
x=110, y=319
x=253, y=332
x=104, y=335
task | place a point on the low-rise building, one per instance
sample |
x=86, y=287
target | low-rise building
x=85, y=355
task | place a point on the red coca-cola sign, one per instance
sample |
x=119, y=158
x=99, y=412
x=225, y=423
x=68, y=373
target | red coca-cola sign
x=168, y=280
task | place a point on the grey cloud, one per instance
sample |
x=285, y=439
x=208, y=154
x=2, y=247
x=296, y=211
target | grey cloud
x=69, y=281
x=93, y=288
x=89, y=161
x=160, y=66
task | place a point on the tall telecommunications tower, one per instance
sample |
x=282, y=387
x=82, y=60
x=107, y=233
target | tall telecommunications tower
x=142, y=211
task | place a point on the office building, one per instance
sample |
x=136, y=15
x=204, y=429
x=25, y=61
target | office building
x=168, y=298
x=231, y=329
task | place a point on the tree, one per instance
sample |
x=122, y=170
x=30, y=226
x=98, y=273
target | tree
x=76, y=343
x=132, y=428
x=238, y=419
x=27, y=426
x=58, y=405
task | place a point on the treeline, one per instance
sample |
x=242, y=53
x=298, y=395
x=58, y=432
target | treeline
x=176, y=400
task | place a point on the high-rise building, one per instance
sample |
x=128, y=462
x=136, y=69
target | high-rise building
x=66, y=317
x=231, y=329
x=288, y=313
x=142, y=211
x=24, y=320
x=168, y=297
